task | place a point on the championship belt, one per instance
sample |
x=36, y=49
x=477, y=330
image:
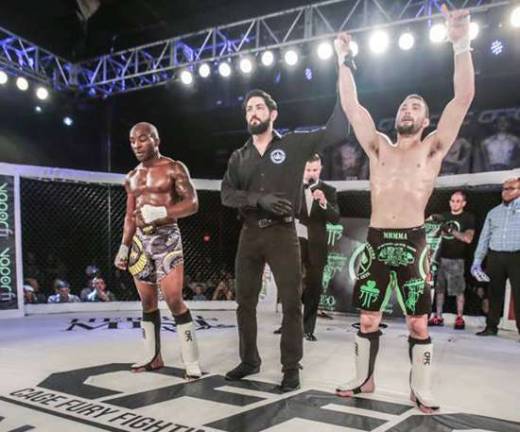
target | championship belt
x=137, y=261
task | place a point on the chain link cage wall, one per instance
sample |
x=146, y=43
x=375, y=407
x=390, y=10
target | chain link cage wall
x=68, y=226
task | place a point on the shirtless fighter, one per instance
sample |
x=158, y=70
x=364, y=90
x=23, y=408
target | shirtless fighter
x=159, y=191
x=402, y=177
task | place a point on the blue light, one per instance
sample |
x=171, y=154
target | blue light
x=497, y=47
x=67, y=121
x=308, y=73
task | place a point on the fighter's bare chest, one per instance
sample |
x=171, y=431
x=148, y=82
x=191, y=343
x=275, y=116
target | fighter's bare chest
x=151, y=180
x=414, y=164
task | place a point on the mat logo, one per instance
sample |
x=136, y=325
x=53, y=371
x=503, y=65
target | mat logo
x=167, y=323
x=75, y=396
x=18, y=428
x=427, y=358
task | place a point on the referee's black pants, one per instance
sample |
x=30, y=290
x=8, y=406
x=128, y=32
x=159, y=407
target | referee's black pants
x=500, y=267
x=278, y=246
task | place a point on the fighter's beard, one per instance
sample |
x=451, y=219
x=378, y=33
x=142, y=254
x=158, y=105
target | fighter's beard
x=259, y=128
x=407, y=130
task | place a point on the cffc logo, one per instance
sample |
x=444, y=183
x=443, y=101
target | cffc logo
x=75, y=395
x=427, y=358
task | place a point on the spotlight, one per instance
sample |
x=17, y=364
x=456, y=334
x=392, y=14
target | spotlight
x=42, y=93
x=22, y=83
x=3, y=77
x=474, y=29
x=67, y=121
x=38, y=108
x=325, y=50
x=438, y=33
x=291, y=57
x=515, y=17
x=224, y=69
x=308, y=74
x=204, y=70
x=186, y=77
x=354, y=48
x=379, y=41
x=497, y=47
x=246, y=65
x=267, y=58
x=406, y=41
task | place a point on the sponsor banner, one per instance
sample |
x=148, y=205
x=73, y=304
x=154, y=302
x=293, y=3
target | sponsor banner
x=8, y=280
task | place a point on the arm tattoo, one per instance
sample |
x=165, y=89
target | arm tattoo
x=183, y=185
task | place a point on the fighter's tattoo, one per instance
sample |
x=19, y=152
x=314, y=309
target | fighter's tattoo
x=183, y=185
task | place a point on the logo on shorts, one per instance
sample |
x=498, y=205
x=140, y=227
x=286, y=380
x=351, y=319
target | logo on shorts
x=369, y=294
x=360, y=262
x=278, y=156
x=414, y=289
x=396, y=254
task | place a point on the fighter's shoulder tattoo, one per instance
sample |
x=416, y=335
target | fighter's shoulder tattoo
x=181, y=177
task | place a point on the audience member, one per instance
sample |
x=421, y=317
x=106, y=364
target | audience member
x=100, y=292
x=63, y=295
x=32, y=292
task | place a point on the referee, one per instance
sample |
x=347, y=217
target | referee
x=264, y=181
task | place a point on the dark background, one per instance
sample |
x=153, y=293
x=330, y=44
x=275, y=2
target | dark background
x=201, y=125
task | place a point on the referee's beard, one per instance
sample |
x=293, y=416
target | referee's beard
x=258, y=128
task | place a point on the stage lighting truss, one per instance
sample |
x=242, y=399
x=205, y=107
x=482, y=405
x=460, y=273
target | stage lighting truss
x=158, y=63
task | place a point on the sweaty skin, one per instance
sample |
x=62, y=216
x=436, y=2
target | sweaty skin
x=401, y=183
x=156, y=181
x=402, y=175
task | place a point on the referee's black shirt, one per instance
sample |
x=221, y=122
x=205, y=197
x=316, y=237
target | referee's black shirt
x=280, y=169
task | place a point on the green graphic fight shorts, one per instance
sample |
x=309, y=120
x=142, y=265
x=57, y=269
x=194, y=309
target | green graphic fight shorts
x=155, y=252
x=394, y=259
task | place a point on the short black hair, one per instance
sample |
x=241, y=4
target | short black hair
x=269, y=101
x=462, y=193
x=416, y=96
x=314, y=158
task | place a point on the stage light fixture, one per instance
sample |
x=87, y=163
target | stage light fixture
x=224, y=69
x=515, y=17
x=379, y=41
x=267, y=58
x=406, y=41
x=42, y=93
x=3, y=78
x=354, y=48
x=291, y=57
x=38, y=109
x=186, y=77
x=204, y=70
x=325, y=50
x=497, y=47
x=67, y=121
x=22, y=83
x=438, y=33
x=474, y=30
x=246, y=65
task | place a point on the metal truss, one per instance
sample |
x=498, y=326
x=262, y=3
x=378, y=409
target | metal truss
x=156, y=63
x=20, y=57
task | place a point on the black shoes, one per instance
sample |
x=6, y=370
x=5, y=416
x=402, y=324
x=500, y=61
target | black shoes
x=310, y=337
x=241, y=371
x=290, y=381
x=487, y=332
